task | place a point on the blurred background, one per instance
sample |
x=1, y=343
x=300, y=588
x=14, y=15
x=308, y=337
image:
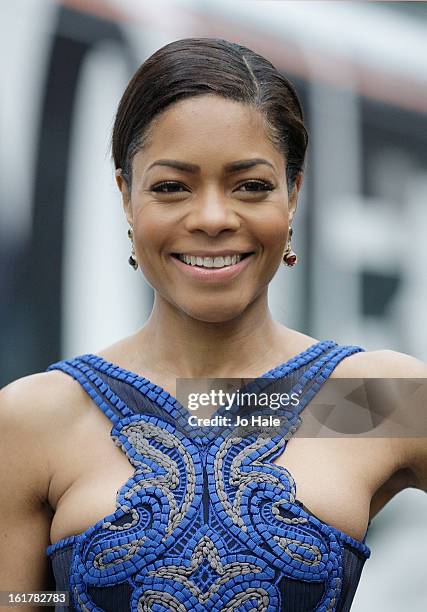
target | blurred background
x=66, y=288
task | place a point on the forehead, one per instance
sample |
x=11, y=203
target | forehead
x=209, y=128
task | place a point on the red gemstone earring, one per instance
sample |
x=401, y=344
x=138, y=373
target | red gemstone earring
x=289, y=257
x=132, y=259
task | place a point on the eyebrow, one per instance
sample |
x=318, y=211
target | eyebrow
x=245, y=164
x=237, y=166
x=178, y=165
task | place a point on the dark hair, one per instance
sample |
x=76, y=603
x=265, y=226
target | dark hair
x=196, y=66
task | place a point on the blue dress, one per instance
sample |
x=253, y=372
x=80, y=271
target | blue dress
x=207, y=521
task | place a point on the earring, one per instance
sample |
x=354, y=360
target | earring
x=289, y=257
x=132, y=259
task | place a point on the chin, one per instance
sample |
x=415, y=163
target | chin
x=214, y=313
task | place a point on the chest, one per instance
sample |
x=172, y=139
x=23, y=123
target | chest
x=334, y=479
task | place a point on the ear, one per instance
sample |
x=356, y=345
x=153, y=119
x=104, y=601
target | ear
x=124, y=190
x=293, y=197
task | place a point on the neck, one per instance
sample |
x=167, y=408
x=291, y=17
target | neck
x=190, y=348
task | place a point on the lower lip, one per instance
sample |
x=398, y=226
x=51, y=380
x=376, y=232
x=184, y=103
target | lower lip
x=213, y=274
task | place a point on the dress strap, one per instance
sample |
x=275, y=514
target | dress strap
x=306, y=386
x=316, y=375
x=99, y=391
x=121, y=394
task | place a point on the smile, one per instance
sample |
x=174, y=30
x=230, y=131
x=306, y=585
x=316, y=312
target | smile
x=212, y=269
x=211, y=262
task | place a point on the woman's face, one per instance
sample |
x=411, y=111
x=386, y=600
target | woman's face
x=209, y=181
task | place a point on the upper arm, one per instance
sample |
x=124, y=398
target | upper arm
x=413, y=449
x=25, y=515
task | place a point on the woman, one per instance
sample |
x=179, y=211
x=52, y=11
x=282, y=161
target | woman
x=209, y=145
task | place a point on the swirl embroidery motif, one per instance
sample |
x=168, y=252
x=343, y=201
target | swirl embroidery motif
x=185, y=521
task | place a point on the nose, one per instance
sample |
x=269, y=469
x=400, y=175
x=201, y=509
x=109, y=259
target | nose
x=212, y=212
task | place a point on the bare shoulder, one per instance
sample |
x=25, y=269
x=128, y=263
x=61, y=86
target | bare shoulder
x=36, y=412
x=393, y=364
x=40, y=402
x=384, y=363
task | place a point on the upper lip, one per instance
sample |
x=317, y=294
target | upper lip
x=212, y=253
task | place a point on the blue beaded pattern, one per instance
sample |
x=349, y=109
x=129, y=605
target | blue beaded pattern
x=175, y=550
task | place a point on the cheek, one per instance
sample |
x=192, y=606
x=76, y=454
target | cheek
x=150, y=233
x=272, y=229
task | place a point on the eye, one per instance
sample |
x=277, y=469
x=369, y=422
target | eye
x=256, y=186
x=169, y=187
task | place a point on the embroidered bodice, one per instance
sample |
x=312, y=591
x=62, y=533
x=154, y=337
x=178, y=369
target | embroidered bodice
x=206, y=521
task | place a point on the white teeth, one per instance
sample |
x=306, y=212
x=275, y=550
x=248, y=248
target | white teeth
x=210, y=262
x=218, y=262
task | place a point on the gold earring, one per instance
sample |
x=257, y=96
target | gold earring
x=132, y=258
x=289, y=257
